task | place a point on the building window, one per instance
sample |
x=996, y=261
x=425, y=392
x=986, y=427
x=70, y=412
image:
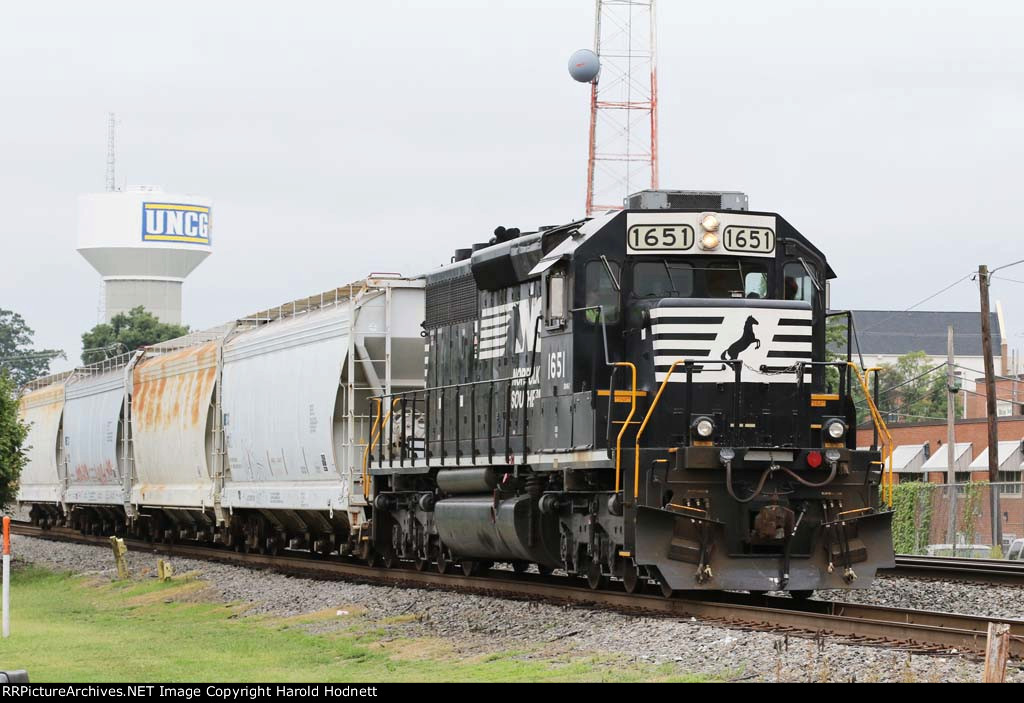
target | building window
x=963, y=476
x=910, y=478
x=1011, y=483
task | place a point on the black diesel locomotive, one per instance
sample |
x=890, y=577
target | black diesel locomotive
x=644, y=395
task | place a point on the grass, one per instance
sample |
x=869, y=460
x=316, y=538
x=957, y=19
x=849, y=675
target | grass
x=75, y=629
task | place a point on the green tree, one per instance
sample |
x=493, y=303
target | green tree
x=913, y=389
x=17, y=357
x=126, y=332
x=835, y=348
x=12, y=439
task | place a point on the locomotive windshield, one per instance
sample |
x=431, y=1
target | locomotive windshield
x=662, y=278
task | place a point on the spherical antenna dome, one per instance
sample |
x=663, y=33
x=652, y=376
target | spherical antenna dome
x=584, y=65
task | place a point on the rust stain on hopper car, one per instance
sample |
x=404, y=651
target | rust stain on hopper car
x=172, y=391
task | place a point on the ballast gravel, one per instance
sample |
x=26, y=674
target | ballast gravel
x=481, y=624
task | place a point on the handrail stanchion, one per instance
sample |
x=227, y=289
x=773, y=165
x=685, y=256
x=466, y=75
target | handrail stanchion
x=643, y=426
x=625, y=425
x=876, y=416
x=366, y=452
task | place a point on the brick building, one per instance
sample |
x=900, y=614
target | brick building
x=920, y=455
x=1009, y=397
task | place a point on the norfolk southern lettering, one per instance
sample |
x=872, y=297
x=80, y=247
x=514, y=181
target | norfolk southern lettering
x=176, y=222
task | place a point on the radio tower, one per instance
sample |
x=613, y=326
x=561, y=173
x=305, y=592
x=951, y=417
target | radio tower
x=623, y=104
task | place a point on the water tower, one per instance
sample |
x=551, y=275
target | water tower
x=144, y=242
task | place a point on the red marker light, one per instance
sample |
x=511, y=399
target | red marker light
x=814, y=459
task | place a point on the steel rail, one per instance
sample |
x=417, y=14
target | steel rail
x=903, y=628
x=961, y=569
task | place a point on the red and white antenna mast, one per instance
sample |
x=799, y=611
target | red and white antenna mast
x=623, y=154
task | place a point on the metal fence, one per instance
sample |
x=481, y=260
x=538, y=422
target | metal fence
x=956, y=520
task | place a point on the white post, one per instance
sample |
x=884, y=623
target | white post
x=7, y=579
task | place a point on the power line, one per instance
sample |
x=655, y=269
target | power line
x=982, y=395
x=920, y=302
x=1005, y=266
x=995, y=375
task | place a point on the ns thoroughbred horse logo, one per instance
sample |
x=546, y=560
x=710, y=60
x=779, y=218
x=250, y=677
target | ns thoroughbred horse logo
x=743, y=343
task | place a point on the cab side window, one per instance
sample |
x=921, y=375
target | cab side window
x=796, y=283
x=600, y=290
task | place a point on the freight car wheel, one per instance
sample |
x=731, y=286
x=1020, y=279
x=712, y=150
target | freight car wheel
x=389, y=559
x=520, y=567
x=444, y=561
x=470, y=567
x=544, y=570
x=421, y=563
x=801, y=595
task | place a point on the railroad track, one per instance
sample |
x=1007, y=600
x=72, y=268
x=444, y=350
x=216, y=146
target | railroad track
x=902, y=628
x=992, y=571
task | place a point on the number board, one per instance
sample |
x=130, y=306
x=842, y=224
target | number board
x=749, y=239
x=679, y=233
x=660, y=237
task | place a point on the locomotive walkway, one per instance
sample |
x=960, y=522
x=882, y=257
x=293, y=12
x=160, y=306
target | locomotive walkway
x=917, y=631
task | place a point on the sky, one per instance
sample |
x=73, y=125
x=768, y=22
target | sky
x=338, y=139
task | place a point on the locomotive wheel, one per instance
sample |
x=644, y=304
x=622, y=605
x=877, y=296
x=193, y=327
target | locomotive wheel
x=520, y=567
x=631, y=580
x=595, y=579
x=801, y=595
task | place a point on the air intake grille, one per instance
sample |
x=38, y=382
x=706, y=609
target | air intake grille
x=451, y=301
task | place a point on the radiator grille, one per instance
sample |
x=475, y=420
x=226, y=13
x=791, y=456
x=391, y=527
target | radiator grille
x=451, y=301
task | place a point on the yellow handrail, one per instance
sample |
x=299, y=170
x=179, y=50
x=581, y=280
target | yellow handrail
x=876, y=417
x=625, y=425
x=643, y=426
x=378, y=427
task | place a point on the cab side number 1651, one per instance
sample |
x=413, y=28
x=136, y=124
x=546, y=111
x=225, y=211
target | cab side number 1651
x=556, y=364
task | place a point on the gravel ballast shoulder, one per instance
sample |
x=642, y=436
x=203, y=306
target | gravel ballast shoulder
x=540, y=630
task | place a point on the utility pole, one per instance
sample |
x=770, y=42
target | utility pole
x=951, y=438
x=990, y=408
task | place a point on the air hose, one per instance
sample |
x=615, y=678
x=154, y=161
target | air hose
x=764, y=477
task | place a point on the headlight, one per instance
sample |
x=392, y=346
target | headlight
x=709, y=241
x=709, y=223
x=832, y=455
x=835, y=429
x=704, y=427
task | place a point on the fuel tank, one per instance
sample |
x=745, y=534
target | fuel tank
x=473, y=527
